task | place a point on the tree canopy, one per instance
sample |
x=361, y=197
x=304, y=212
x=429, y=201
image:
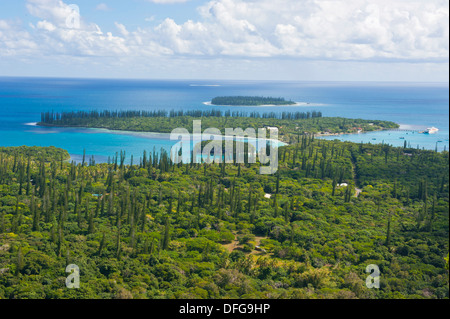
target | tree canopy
x=156, y=229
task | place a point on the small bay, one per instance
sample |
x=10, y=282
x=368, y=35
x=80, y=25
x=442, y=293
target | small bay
x=415, y=106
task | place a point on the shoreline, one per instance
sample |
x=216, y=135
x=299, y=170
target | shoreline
x=343, y=136
x=346, y=133
x=400, y=127
x=144, y=134
x=166, y=135
x=137, y=132
x=267, y=105
x=396, y=138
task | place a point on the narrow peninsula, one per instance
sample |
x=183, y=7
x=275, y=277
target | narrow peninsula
x=290, y=124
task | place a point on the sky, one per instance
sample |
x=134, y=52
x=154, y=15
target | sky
x=300, y=40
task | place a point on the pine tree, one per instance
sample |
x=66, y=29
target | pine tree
x=102, y=245
x=432, y=215
x=21, y=174
x=275, y=205
x=143, y=217
x=152, y=244
x=388, y=230
x=67, y=257
x=166, y=239
x=278, y=183
x=35, y=213
x=178, y=205
x=2, y=223
x=27, y=192
x=334, y=185
x=91, y=227
x=20, y=264
x=249, y=203
x=394, y=191
x=77, y=211
x=118, y=248
x=132, y=231
x=292, y=235
x=60, y=241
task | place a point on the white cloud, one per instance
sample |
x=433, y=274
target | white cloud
x=313, y=30
x=122, y=29
x=167, y=1
x=102, y=7
x=56, y=37
x=45, y=25
x=14, y=41
x=55, y=11
x=321, y=29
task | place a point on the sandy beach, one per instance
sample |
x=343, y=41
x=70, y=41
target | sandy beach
x=267, y=105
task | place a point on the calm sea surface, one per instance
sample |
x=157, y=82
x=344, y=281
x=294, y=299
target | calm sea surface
x=415, y=106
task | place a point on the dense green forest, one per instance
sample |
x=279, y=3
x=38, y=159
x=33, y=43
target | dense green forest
x=249, y=100
x=162, y=230
x=289, y=124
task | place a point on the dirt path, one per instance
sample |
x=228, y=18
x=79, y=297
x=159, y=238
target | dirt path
x=235, y=244
x=355, y=180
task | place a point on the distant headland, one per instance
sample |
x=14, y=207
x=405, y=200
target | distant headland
x=250, y=101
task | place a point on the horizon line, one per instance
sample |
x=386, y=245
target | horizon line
x=212, y=80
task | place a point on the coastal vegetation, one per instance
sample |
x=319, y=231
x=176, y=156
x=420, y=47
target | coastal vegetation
x=155, y=229
x=290, y=124
x=250, y=101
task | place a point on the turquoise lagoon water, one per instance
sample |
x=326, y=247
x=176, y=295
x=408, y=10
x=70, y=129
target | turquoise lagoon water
x=415, y=106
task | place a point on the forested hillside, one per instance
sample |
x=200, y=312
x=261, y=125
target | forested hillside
x=159, y=230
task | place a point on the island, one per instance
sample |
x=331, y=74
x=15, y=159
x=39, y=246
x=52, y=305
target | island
x=249, y=101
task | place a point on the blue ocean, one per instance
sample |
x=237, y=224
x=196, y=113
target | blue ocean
x=415, y=106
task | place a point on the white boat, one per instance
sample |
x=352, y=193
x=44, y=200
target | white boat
x=431, y=130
